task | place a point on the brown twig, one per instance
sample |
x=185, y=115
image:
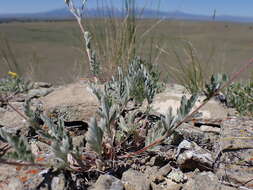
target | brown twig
x=6, y=101
x=234, y=76
x=17, y=111
x=2, y=161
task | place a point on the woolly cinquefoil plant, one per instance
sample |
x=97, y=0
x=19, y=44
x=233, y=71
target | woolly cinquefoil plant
x=137, y=84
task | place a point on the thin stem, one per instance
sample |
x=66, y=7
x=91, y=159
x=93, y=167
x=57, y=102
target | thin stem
x=2, y=161
x=78, y=17
x=17, y=111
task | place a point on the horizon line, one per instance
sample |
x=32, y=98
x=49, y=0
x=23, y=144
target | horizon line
x=161, y=11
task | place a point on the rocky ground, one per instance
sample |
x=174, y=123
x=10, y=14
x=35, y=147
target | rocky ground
x=213, y=151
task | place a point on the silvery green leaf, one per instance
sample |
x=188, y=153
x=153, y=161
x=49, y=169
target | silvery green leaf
x=94, y=137
x=103, y=124
x=55, y=131
x=33, y=116
x=215, y=83
x=20, y=144
x=105, y=109
x=113, y=113
x=186, y=105
x=127, y=124
x=61, y=142
x=155, y=133
x=169, y=120
x=96, y=91
x=123, y=125
x=87, y=37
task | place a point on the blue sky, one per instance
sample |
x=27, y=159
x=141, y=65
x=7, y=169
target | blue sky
x=228, y=7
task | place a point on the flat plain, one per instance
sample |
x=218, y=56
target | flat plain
x=53, y=51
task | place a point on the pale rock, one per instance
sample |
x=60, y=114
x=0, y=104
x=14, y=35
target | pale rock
x=209, y=129
x=37, y=93
x=205, y=181
x=236, y=145
x=191, y=156
x=135, y=180
x=15, y=184
x=177, y=176
x=58, y=183
x=108, y=182
x=74, y=102
x=171, y=97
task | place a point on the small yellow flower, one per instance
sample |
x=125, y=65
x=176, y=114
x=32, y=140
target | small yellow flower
x=13, y=74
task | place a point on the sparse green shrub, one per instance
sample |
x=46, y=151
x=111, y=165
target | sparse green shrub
x=14, y=84
x=240, y=96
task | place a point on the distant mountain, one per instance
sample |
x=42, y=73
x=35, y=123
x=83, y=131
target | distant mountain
x=60, y=14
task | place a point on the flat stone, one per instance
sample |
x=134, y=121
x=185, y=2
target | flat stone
x=108, y=182
x=237, y=133
x=209, y=129
x=19, y=178
x=190, y=156
x=14, y=184
x=37, y=93
x=135, y=180
x=205, y=180
x=42, y=85
x=167, y=185
x=164, y=170
x=236, y=174
x=236, y=148
x=170, y=185
x=154, y=173
x=11, y=120
x=150, y=172
x=58, y=183
x=170, y=98
x=75, y=102
x=195, y=134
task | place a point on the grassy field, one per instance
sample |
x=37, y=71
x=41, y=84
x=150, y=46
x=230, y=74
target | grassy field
x=52, y=51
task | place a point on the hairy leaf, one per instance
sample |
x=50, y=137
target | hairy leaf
x=215, y=83
x=169, y=122
x=186, y=105
x=155, y=133
x=94, y=137
x=21, y=146
x=61, y=143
